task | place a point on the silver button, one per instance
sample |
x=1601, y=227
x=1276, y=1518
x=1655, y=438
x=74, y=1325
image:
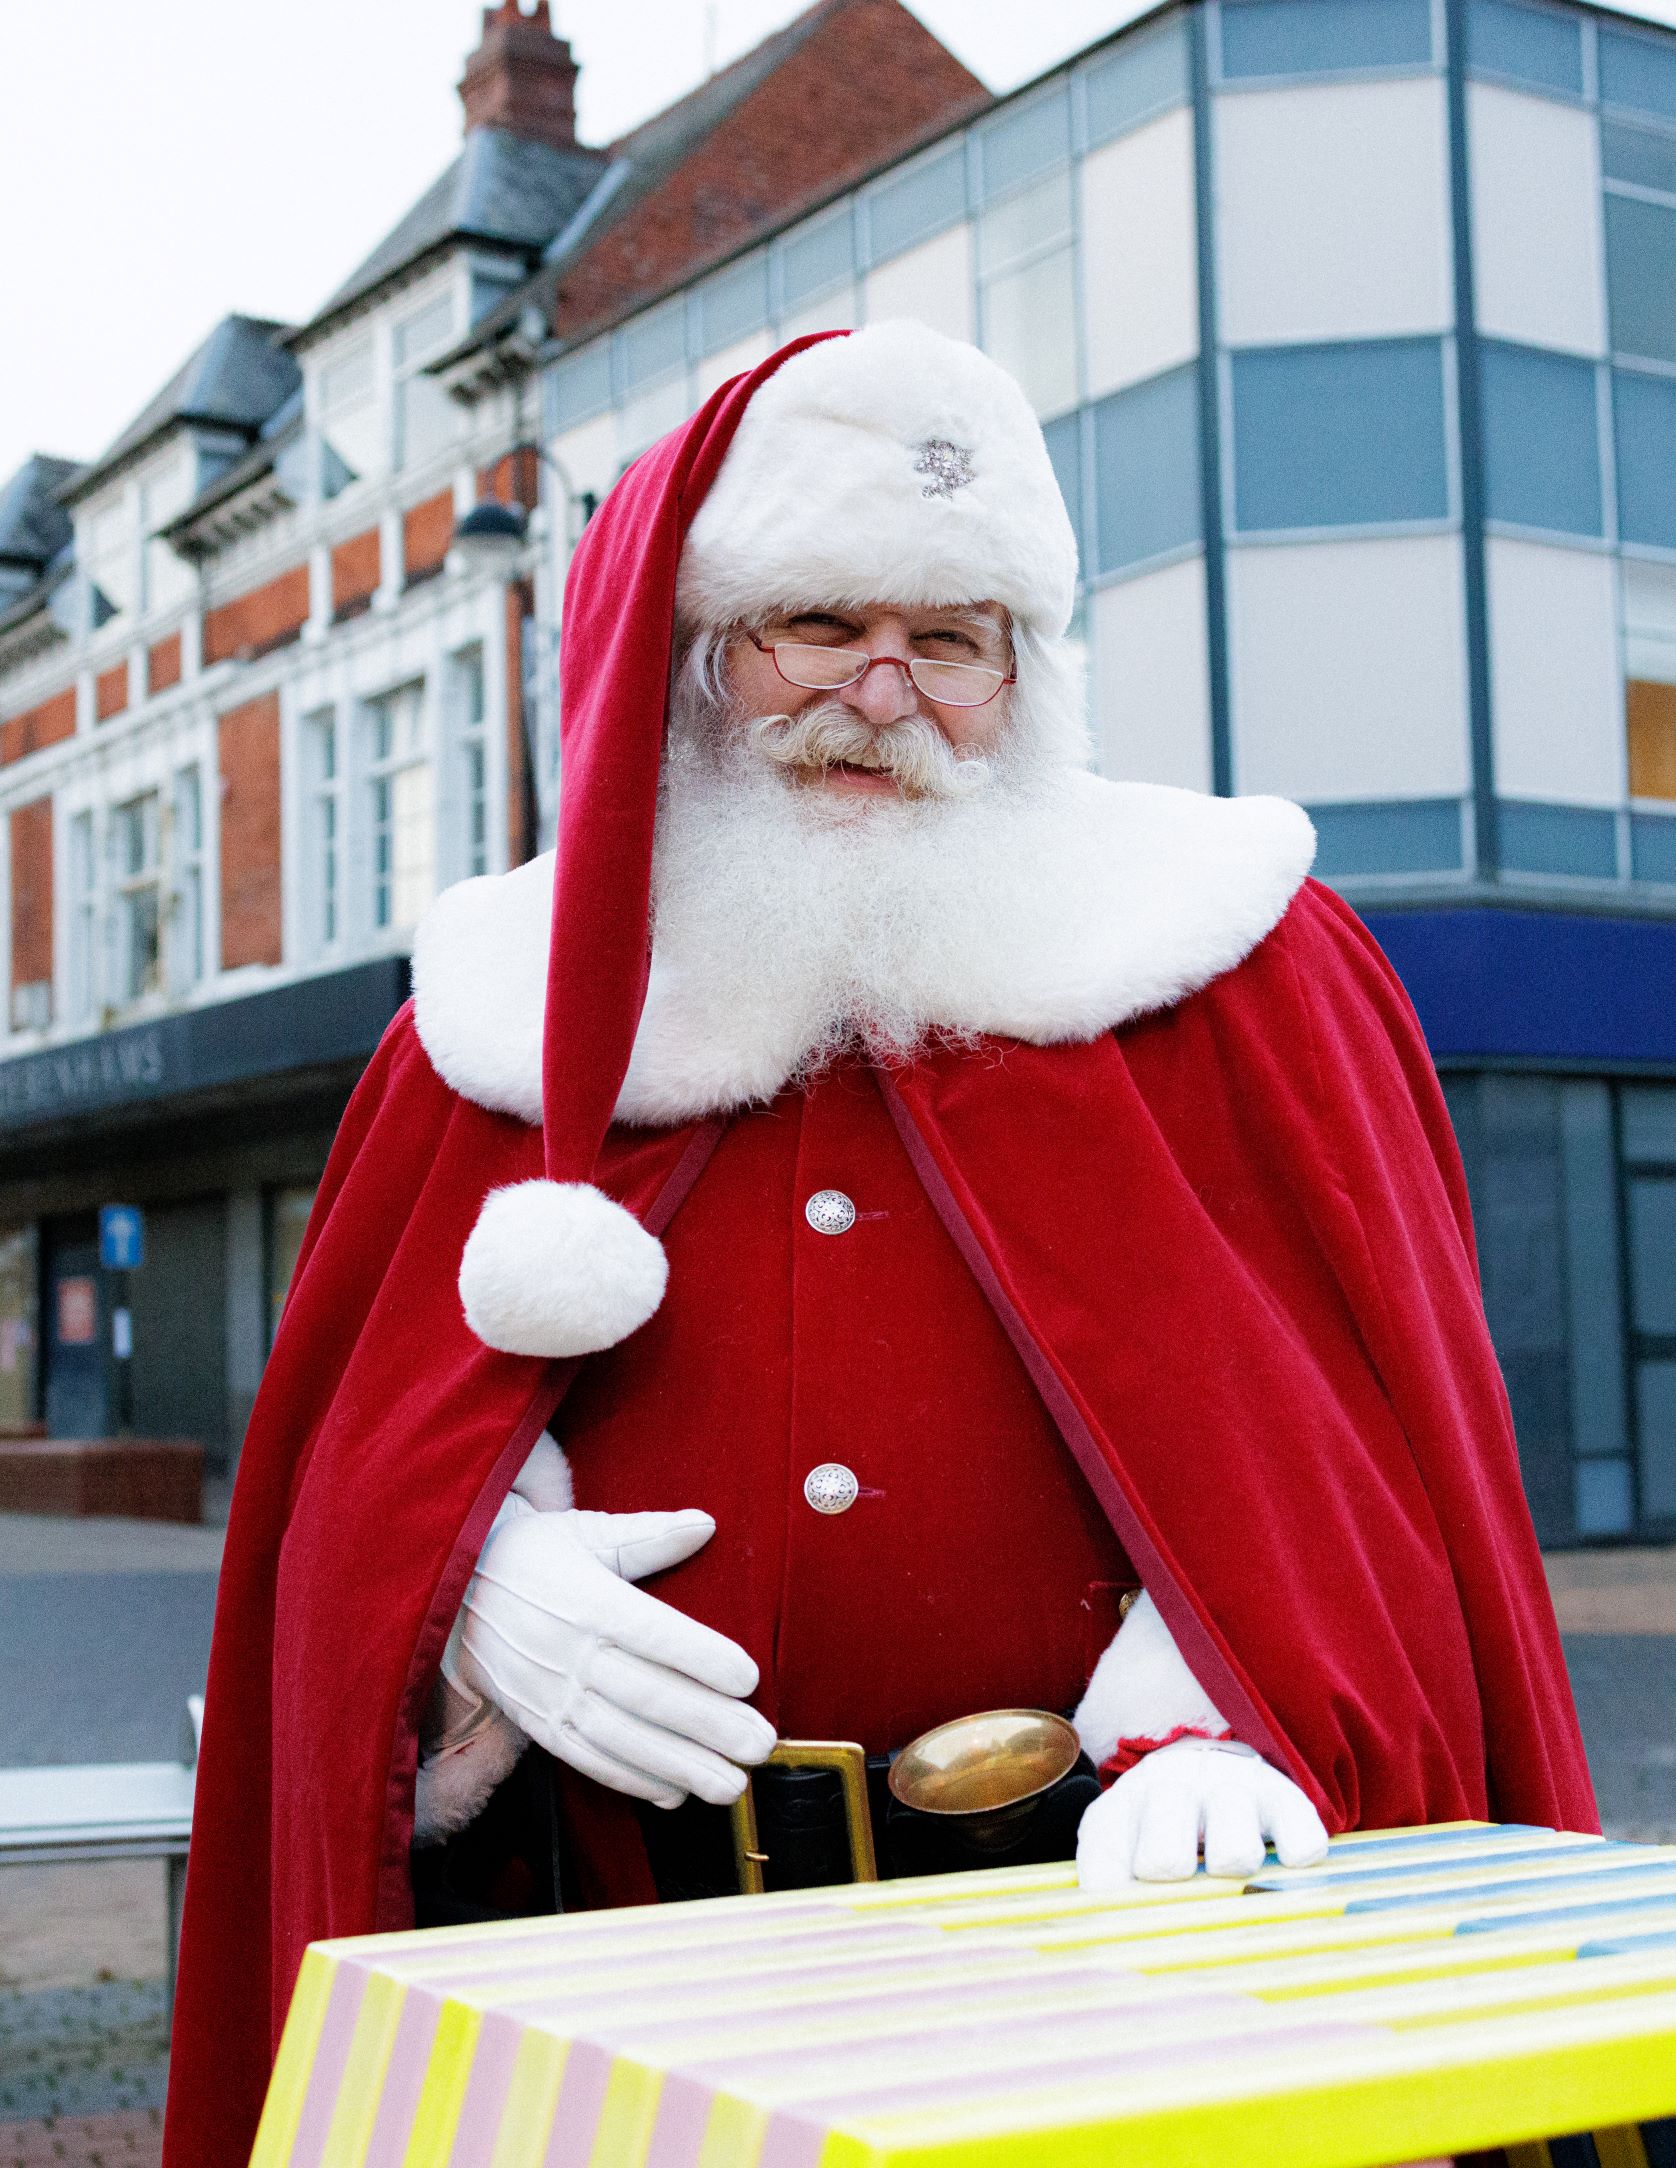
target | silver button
x=830, y=1212
x=831, y=1488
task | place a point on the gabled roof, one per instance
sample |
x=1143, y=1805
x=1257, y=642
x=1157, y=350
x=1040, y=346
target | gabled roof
x=696, y=183
x=234, y=380
x=503, y=189
x=33, y=524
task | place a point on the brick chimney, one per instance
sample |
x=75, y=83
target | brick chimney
x=521, y=77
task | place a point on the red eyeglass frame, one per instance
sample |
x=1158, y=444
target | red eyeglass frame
x=772, y=648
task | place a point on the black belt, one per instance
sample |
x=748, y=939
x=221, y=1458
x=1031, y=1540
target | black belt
x=805, y=1838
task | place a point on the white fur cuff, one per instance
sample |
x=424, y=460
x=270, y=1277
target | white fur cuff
x=1142, y=1688
x=558, y=1268
x=453, y=1787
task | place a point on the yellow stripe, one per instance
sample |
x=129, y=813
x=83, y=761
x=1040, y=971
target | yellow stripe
x=443, y=2093
x=363, y=2073
x=1535, y=2155
x=288, y=2087
x=734, y=2134
x=527, y=2121
x=626, y=2115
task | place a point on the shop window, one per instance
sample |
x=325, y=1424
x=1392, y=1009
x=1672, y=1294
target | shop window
x=1641, y=277
x=401, y=809
x=186, y=902
x=733, y=304
x=1323, y=37
x=1535, y=46
x=579, y=387
x=346, y=405
x=426, y=418
x=19, y=1328
x=1638, y=71
x=83, y=922
x=1025, y=140
x=1146, y=470
x=136, y=897
x=472, y=755
x=1541, y=439
x=911, y=207
x=1644, y=422
x=1651, y=720
x=322, y=830
x=817, y=256
x=1603, y=1499
x=1027, y=291
x=1649, y=1149
x=287, y=1222
x=1138, y=78
x=1644, y=157
x=1339, y=436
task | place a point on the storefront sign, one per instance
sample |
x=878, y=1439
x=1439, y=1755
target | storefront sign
x=78, y=1312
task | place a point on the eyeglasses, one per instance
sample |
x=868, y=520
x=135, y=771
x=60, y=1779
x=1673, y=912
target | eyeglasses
x=830, y=669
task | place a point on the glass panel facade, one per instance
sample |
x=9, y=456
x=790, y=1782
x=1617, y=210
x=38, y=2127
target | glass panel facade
x=1541, y=439
x=1064, y=445
x=1564, y=839
x=1644, y=412
x=1146, y=470
x=1641, y=277
x=1136, y=79
x=1321, y=37
x=925, y=200
x=1028, y=326
x=1339, y=436
x=1652, y=1253
x=401, y=814
x=817, y=256
x=733, y=304
x=1649, y=1125
x=1025, y=141
x=1638, y=71
x=1645, y=157
x=1417, y=836
x=652, y=345
x=1537, y=46
x=579, y=386
x=1655, y=1403
x=1652, y=846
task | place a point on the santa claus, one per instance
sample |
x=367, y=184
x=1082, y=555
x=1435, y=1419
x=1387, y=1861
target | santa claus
x=917, y=1201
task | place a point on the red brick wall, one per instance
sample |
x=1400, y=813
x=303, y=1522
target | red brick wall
x=266, y=617
x=427, y=531
x=44, y=724
x=31, y=838
x=110, y=692
x=866, y=83
x=514, y=478
x=251, y=926
x=163, y=664
x=355, y=573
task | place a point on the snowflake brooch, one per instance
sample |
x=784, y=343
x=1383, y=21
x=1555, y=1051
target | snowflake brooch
x=949, y=467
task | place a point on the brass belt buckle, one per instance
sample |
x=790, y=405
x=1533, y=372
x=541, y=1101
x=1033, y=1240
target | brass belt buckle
x=850, y=1763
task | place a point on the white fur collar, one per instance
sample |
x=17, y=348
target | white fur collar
x=1155, y=893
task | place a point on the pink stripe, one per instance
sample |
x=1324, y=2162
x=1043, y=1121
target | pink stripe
x=581, y=2096
x=410, y=2052
x=792, y=2143
x=337, y=2030
x=682, y=2119
x=967, y=2088
x=486, y=2090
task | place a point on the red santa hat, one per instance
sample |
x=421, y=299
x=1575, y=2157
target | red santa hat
x=894, y=465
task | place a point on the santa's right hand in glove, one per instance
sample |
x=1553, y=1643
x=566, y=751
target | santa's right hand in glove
x=554, y=1634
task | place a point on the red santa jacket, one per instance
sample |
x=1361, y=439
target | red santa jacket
x=1230, y=1243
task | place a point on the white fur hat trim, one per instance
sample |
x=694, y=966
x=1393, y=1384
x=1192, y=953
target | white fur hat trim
x=897, y=465
x=558, y=1268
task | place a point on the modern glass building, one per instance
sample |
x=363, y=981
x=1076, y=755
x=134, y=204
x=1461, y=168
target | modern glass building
x=1352, y=325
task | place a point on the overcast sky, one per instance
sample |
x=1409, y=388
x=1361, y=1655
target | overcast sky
x=165, y=161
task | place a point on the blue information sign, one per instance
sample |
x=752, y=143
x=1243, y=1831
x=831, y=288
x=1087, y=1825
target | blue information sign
x=121, y=1237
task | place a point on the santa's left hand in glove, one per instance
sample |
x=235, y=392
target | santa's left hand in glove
x=1148, y=1827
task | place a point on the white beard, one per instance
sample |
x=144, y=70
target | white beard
x=792, y=923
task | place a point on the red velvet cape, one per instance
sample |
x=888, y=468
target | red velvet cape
x=1230, y=1241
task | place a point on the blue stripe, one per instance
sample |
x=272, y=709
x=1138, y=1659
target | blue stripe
x=1628, y=1945
x=1493, y=1892
x=1394, y=1870
x=1494, y=1922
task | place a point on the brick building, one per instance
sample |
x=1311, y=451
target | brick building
x=256, y=707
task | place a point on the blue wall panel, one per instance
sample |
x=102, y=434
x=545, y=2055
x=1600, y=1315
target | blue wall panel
x=1537, y=985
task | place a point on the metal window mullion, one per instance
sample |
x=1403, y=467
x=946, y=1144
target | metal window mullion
x=1203, y=24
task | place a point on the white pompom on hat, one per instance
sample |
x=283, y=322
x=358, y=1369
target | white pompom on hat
x=897, y=465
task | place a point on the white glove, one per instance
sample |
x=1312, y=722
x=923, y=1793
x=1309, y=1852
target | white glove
x=624, y=1688
x=1148, y=1826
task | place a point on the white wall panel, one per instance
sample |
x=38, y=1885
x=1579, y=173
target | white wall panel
x=588, y=453
x=1140, y=271
x=1348, y=665
x=1151, y=705
x=1536, y=252
x=731, y=360
x=932, y=283
x=1332, y=212
x=836, y=311
x=1556, y=702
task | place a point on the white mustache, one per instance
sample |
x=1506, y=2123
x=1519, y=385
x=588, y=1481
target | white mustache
x=911, y=750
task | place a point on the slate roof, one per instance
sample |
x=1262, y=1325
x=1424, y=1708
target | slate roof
x=235, y=379
x=502, y=188
x=34, y=526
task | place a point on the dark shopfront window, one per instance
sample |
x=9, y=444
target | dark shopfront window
x=1573, y=1184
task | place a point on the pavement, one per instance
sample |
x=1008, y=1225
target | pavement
x=106, y=1626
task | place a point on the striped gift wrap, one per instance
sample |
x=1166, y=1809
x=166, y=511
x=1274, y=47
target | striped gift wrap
x=1422, y=1993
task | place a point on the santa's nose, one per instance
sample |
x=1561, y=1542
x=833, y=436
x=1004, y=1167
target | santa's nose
x=885, y=695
